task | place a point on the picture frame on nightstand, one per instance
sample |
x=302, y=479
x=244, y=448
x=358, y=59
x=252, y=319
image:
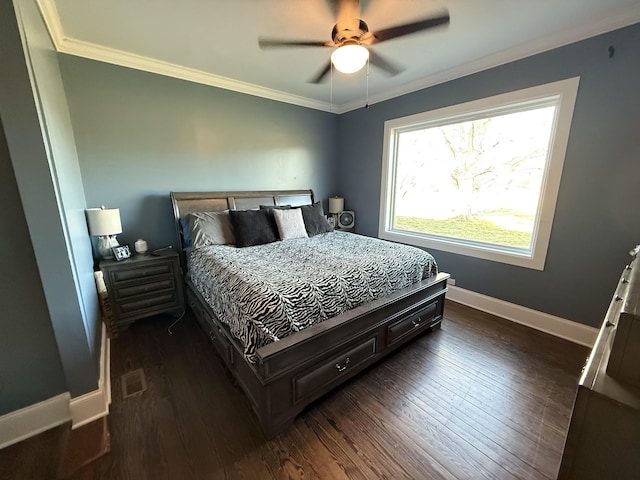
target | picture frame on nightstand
x=331, y=220
x=121, y=252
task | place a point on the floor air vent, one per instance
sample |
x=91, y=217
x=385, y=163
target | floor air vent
x=133, y=383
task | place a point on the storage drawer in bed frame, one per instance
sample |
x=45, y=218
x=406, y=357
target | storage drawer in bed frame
x=330, y=371
x=411, y=324
x=292, y=372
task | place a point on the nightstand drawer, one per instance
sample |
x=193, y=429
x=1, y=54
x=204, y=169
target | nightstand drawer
x=167, y=299
x=137, y=273
x=166, y=283
x=143, y=286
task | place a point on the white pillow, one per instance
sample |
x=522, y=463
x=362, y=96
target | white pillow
x=290, y=223
x=211, y=228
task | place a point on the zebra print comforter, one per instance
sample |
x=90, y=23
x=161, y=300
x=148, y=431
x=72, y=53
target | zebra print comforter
x=267, y=292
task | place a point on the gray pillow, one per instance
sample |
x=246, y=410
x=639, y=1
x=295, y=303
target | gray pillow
x=253, y=227
x=290, y=223
x=211, y=228
x=314, y=220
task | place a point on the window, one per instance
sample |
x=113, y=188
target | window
x=479, y=178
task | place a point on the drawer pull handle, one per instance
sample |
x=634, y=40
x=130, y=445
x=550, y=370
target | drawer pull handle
x=617, y=298
x=341, y=368
x=416, y=323
x=609, y=324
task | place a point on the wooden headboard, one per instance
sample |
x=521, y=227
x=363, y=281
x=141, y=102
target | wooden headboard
x=185, y=203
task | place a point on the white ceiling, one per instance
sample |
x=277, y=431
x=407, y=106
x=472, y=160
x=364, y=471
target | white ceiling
x=215, y=42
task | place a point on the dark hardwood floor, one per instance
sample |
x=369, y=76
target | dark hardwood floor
x=480, y=398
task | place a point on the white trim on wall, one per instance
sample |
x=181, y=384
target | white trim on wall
x=125, y=59
x=93, y=51
x=113, y=56
x=94, y=405
x=42, y=416
x=34, y=419
x=561, y=95
x=557, y=326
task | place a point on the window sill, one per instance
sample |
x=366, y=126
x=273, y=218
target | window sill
x=494, y=254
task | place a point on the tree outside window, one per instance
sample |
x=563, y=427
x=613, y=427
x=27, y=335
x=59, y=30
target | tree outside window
x=481, y=178
x=476, y=180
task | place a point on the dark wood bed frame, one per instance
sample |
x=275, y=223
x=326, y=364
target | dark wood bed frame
x=300, y=368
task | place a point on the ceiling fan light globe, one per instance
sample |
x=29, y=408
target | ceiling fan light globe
x=349, y=58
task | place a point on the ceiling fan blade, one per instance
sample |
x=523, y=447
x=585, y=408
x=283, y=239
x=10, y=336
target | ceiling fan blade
x=380, y=62
x=323, y=73
x=278, y=43
x=408, y=28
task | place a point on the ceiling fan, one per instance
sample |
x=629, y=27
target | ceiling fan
x=349, y=36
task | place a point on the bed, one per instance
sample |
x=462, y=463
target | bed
x=283, y=367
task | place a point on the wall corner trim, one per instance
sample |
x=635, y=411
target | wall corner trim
x=42, y=416
x=94, y=405
x=557, y=326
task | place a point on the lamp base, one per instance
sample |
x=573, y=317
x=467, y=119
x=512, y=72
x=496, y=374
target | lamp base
x=105, y=242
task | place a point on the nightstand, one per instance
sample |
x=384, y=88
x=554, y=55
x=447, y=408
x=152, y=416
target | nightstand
x=143, y=286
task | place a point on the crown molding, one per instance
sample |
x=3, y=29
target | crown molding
x=79, y=48
x=49, y=13
x=71, y=46
x=125, y=59
x=545, y=44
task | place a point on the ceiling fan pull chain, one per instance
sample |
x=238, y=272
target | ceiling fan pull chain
x=366, y=102
x=331, y=90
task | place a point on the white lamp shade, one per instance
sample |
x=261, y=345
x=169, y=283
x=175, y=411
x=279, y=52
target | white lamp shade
x=104, y=221
x=336, y=204
x=350, y=58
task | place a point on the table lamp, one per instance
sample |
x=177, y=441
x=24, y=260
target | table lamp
x=336, y=205
x=104, y=223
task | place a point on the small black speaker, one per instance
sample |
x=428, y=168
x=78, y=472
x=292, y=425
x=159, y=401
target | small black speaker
x=347, y=219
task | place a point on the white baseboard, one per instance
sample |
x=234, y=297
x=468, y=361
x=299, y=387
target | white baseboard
x=94, y=405
x=39, y=417
x=34, y=419
x=557, y=326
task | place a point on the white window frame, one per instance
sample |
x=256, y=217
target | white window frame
x=566, y=92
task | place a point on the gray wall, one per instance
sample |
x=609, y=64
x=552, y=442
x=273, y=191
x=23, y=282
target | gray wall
x=41, y=147
x=30, y=367
x=140, y=136
x=596, y=220
x=135, y=137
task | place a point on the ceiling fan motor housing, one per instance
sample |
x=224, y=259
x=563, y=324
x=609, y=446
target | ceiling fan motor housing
x=353, y=32
x=346, y=36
